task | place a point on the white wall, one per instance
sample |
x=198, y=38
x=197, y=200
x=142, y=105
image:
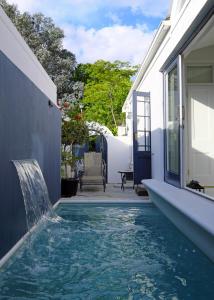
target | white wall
x=152, y=80
x=119, y=156
x=15, y=48
x=203, y=55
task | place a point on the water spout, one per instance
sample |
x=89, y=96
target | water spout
x=35, y=192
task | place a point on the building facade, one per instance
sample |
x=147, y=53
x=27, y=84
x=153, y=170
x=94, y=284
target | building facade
x=176, y=78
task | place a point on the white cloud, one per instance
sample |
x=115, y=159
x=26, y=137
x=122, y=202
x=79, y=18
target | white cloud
x=83, y=8
x=26, y=5
x=123, y=42
x=118, y=42
x=145, y=7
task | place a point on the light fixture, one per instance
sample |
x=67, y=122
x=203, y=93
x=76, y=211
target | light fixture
x=50, y=104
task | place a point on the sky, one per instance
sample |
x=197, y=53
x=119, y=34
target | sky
x=103, y=29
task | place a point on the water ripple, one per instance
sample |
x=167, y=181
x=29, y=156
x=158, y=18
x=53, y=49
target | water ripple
x=124, y=252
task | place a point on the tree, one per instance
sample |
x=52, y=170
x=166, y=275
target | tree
x=106, y=87
x=74, y=131
x=74, y=128
x=46, y=41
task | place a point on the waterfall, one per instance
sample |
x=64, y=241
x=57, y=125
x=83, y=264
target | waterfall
x=34, y=191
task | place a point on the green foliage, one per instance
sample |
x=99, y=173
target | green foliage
x=74, y=131
x=46, y=41
x=68, y=159
x=74, y=128
x=106, y=87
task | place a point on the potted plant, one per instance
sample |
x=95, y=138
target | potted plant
x=74, y=131
x=69, y=180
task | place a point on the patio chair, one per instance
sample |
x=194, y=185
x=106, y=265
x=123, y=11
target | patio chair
x=94, y=170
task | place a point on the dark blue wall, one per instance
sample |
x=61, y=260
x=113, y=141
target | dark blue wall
x=29, y=128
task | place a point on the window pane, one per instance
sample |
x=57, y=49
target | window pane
x=148, y=142
x=147, y=109
x=143, y=125
x=140, y=108
x=173, y=123
x=147, y=123
x=200, y=74
x=141, y=138
x=140, y=123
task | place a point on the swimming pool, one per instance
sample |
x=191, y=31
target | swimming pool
x=112, y=251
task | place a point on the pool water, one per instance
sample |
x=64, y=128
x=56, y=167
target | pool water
x=108, y=252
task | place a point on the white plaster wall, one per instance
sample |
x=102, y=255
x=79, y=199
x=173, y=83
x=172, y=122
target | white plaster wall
x=191, y=7
x=152, y=80
x=15, y=48
x=156, y=94
x=119, y=156
x=204, y=55
x=129, y=134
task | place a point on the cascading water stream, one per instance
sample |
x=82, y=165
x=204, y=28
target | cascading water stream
x=35, y=192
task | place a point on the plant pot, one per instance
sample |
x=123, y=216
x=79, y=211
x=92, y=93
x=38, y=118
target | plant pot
x=69, y=187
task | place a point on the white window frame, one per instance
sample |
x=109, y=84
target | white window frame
x=179, y=63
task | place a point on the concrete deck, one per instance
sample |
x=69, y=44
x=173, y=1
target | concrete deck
x=113, y=193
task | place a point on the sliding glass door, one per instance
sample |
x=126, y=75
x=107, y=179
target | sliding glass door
x=173, y=120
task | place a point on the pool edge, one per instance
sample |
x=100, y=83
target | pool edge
x=19, y=243
x=194, y=230
x=104, y=200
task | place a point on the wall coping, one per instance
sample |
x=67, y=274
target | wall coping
x=196, y=207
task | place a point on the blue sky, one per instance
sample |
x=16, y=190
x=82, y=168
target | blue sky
x=103, y=29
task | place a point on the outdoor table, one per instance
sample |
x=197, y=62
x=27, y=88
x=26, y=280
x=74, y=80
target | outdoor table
x=125, y=175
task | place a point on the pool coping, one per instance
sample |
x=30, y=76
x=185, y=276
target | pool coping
x=18, y=244
x=92, y=200
x=192, y=214
x=103, y=200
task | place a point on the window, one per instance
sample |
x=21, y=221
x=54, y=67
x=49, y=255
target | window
x=172, y=123
x=143, y=124
x=199, y=74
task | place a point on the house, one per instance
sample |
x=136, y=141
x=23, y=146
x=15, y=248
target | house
x=170, y=120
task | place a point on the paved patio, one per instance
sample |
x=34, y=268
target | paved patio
x=113, y=193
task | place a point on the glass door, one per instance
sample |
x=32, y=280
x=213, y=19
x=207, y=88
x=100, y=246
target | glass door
x=141, y=136
x=173, y=119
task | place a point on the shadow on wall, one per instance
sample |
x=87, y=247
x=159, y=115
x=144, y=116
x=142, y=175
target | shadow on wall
x=199, y=136
x=200, y=168
x=157, y=154
x=119, y=156
x=199, y=155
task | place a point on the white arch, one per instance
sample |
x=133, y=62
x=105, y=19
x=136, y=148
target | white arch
x=95, y=128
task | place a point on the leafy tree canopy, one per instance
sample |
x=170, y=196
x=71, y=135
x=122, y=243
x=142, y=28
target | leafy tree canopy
x=106, y=87
x=45, y=39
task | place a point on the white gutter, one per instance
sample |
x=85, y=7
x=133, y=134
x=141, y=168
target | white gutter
x=157, y=41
